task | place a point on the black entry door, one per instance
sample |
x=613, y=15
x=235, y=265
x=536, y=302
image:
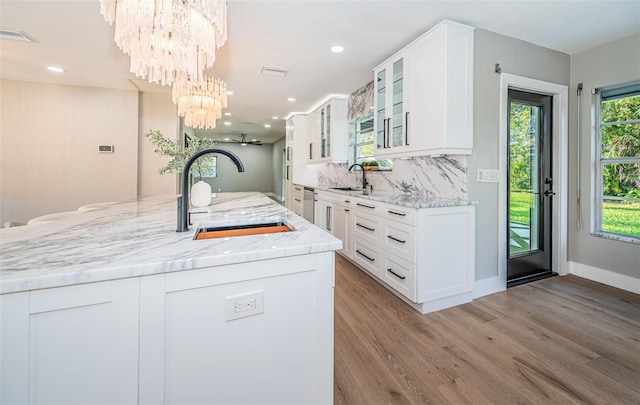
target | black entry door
x=530, y=187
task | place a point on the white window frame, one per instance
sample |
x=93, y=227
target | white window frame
x=600, y=162
x=357, y=143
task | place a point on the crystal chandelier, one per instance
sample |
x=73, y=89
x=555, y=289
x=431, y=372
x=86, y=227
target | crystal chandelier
x=168, y=40
x=200, y=102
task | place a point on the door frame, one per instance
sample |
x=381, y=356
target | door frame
x=560, y=131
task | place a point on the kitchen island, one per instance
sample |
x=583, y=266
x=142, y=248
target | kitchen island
x=111, y=305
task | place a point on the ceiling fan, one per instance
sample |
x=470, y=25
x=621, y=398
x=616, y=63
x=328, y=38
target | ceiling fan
x=244, y=141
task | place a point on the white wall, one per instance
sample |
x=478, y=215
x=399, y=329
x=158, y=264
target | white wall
x=258, y=164
x=604, y=65
x=515, y=57
x=157, y=112
x=49, y=137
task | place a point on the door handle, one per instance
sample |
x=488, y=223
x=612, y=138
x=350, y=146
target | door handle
x=549, y=193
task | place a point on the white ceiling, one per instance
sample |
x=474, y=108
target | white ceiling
x=296, y=35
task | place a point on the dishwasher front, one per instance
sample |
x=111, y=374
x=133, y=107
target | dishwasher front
x=308, y=204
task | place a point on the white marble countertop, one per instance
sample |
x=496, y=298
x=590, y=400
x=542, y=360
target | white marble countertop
x=138, y=238
x=407, y=200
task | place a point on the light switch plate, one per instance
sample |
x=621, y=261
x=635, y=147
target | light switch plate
x=488, y=176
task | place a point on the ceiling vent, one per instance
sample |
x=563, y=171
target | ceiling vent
x=16, y=35
x=274, y=71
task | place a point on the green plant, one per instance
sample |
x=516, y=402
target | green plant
x=179, y=155
x=370, y=163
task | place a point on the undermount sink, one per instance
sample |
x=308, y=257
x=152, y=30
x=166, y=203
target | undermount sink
x=346, y=188
x=227, y=230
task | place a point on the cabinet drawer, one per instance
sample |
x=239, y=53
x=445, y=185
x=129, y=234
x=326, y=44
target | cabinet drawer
x=400, y=274
x=367, y=227
x=400, y=239
x=367, y=256
x=399, y=213
x=366, y=206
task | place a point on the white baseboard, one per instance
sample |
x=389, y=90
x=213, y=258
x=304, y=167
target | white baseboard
x=489, y=286
x=605, y=277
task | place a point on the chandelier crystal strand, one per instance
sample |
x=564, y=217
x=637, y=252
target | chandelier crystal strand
x=200, y=102
x=168, y=40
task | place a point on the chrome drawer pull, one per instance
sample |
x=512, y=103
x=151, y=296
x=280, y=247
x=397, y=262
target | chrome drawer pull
x=396, y=274
x=396, y=239
x=362, y=254
x=366, y=227
x=365, y=205
x=402, y=214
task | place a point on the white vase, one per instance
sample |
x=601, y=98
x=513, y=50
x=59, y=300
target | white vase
x=200, y=194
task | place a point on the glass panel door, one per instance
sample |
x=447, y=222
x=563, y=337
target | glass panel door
x=381, y=99
x=530, y=186
x=323, y=140
x=328, y=132
x=398, y=105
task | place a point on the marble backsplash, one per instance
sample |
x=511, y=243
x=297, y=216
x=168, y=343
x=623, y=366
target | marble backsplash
x=443, y=177
x=360, y=102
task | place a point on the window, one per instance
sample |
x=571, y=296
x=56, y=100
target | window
x=618, y=157
x=209, y=166
x=363, y=142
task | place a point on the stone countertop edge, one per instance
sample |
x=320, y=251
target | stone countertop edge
x=403, y=199
x=138, y=237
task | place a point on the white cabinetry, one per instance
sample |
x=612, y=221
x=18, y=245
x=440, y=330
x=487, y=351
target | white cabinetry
x=176, y=338
x=301, y=172
x=327, y=133
x=424, y=95
x=333, y=214
x=70, y=345
x=426, y=255
x=288, y=171
x=297, y=200
x=191, y=351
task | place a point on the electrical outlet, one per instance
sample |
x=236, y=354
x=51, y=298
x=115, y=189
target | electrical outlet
x=246, y=305
x=241, y=306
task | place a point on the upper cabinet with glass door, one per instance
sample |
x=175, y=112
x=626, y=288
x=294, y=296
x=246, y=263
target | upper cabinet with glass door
x=390, y=107
x=328, y=133
x=424, y=95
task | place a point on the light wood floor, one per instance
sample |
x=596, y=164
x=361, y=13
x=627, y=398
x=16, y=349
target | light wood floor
x=561, y=340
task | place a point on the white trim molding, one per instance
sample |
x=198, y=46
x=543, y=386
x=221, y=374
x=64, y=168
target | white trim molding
x=488, y=286
x=560, y=130
x=606, y=277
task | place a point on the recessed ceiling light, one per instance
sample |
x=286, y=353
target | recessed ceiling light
x=337, y=49
x=230, y=93
x=55, y=69
x=227, y=114
x=254, y=140
x=267, y=126
x=291, y=99
x=227, y=123
x=226, y=139
x=274, y=118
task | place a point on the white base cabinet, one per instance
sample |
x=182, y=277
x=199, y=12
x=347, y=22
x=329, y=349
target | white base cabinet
x=70, y=345
x=296, y=204
x=426, y=256
x=333, y=214
x=176, y=338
